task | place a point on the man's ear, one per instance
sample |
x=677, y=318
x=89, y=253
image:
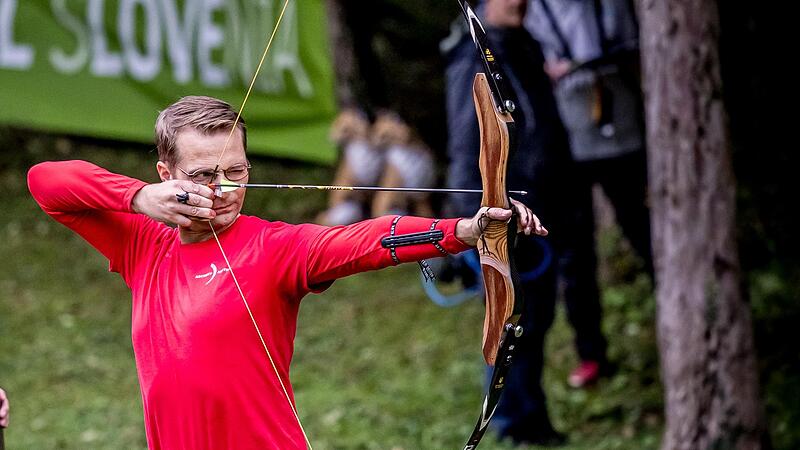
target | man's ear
x=163, y=171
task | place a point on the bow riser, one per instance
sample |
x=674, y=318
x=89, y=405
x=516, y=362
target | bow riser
x=496, y=245
x=504, y=297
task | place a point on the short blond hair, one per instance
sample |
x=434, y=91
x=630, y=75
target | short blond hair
x=205, y=114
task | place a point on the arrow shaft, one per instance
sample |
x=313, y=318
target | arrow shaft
x=360, y=188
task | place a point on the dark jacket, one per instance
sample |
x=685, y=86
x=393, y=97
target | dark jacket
x=540, y=160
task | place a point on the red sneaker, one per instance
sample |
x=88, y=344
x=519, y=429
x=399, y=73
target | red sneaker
x=586, y=373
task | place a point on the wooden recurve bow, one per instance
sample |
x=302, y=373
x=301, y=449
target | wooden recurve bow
x=504, y=298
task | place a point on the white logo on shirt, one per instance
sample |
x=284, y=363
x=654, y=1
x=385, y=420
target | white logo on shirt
x=212, y=274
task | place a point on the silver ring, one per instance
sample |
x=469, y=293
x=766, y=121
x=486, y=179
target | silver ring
x=183, y=198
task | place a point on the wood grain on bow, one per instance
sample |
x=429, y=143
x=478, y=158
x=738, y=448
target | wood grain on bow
x=504, y=299
x=496, y=245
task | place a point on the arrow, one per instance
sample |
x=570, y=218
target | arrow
x=230, y=186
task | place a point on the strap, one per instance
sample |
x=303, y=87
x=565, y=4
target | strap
x=436, y=242
x=423, y=237
x=601, y=29
x=391, y=234
x=404, y=240
x=557, y=30
x=427, y=272
x=602, y=35
x=433, y=236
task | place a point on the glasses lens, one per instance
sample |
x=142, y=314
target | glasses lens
x=203, y=176
x=236, y=173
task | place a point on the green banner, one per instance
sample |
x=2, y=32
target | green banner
x=105, y=68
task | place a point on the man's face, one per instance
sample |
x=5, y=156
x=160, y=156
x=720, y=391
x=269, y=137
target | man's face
x=198, y=152
x=506, y=13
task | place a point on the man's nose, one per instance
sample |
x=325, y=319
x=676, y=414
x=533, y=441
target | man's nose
x=219, y=176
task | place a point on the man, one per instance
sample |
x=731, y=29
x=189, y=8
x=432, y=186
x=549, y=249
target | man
x=205, y=379
x=538, y=165
x=591, y=48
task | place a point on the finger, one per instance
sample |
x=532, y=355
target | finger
x=198, y=189
x=181, y=220
x=498, y=213
x=196, y=212
x=540, y=229
x=524, y=215
x=525, y=221
x=199, y=201
x=182, y=215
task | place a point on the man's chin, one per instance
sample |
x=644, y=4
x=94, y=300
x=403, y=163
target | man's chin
x=224, y=220
x=220, y=222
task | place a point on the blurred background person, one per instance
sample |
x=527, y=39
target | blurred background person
x=539, y=165
x=408, y=162
x=360, y=164
x=3, y=415
x=387, y=153
x=591, y=51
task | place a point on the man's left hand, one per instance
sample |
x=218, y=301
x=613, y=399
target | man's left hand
x=469, y=231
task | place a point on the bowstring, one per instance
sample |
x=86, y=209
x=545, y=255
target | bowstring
x=260, y=337
x=219, y=244
x=253, y=81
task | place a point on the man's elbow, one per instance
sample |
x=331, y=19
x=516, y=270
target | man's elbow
x=44, y=180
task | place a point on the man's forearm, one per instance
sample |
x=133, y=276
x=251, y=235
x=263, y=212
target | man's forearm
x=75, y=186
x=341, y=251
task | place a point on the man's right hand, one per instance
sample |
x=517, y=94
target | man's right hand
x=160, y=202
x=557, y=69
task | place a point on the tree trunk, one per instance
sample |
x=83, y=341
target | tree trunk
x=708, y=362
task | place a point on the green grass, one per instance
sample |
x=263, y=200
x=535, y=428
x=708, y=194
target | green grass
x=377, y=365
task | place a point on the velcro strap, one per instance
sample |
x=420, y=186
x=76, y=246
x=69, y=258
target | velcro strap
x=433, y=236
x=422, y=237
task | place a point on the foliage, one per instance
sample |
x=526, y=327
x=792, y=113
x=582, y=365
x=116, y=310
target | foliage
x=764, y=161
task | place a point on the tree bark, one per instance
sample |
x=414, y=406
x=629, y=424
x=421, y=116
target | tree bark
x=705, y=338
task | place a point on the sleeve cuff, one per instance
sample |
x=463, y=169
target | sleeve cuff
x=131, y=192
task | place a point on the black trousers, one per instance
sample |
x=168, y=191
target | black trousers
x=624, y=181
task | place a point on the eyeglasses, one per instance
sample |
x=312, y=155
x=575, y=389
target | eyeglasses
x=206, y=176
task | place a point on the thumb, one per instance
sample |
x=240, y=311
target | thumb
x=498, y=213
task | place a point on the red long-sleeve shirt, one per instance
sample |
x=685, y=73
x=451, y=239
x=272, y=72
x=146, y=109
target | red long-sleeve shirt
x=205, y=379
